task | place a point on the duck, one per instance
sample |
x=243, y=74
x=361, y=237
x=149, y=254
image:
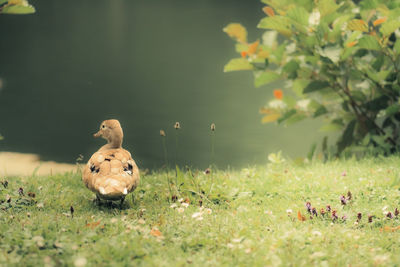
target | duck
x=111, y=173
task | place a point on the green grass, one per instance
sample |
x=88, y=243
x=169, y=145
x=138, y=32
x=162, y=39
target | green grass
x=248, y=226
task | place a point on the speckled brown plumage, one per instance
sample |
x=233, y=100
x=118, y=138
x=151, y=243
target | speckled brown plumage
x=111, y=172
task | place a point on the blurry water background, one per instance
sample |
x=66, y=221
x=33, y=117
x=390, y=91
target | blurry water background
x=147, y=63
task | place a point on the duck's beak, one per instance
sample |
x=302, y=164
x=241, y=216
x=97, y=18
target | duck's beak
x=98, y=134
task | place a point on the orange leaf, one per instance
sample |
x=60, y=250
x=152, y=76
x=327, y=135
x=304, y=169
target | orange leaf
x=278, y=94
x=379, y=21
x=351, y=44
x=253, y=47
x=243, y=54
x=390, y=229
x=237, y=31
x=300, y=217
x=269, y=11
x=93, y=224
x=155, y=232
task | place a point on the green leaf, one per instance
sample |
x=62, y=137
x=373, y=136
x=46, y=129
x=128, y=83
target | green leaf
x=311, y=153
x=278, y=23
x=299, y=15
x=18, y=9
x=321, y=110
x=270, y=118
x=369, y=42
x=397, y=46
x=393, y=109
x=388, y=27
x=315, y=86
x=287, y=115
x=265, y=78
x=295, y=118
x=327, y=7
x=377, y=104
x=331, y=52
x=238, y=64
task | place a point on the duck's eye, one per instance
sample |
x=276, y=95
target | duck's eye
x=103, y=126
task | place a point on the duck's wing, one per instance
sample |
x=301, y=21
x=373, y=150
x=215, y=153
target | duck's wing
x=111, y=174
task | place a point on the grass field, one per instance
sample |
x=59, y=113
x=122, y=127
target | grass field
x=251, y=217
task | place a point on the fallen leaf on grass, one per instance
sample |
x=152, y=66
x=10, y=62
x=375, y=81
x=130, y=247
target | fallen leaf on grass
x=93, y=225
x=390, y=229
x=155, y=232
x=300, y=217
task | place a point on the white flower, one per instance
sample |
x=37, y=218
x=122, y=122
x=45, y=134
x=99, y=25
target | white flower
x=356, y=223
x=180, y=200
x=384, y=208
x=289, y=211
x=197, y=214
x=229, y=245
x=316, y=233
x=268, y=212
x=209, y=211
x=277, y=104
x=236, y=240
x=180, y=210
x=314, y=18
x=173, y=206
x=80, y=262
x=303, y=104
x=185, y=205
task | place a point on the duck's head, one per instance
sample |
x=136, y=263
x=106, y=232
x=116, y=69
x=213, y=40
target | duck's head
x=111, y=131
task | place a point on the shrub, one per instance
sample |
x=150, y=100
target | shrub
x=16, y=7
x=340, y=60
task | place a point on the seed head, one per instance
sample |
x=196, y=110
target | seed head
x=177, y=125
x=359, y=216
x=71, y=209
x=207, y=171
x=213, y=127
x=370, y=218
x=349, y=195
x=343, y=200
x=162, y=133
x=396, y=212
x=389, y=215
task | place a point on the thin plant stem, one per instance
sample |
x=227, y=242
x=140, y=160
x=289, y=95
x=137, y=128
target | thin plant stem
x=165, y=151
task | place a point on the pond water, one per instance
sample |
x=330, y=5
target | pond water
x=147, y=63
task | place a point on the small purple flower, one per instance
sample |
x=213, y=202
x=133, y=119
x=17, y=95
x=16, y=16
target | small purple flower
x=21, y=191
x=389, y=215
x=308, y=206
x=344, y=218
x=359, y=216
x=328, y=208
x=314, y=212
x=334, y=216
x=343, y=200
